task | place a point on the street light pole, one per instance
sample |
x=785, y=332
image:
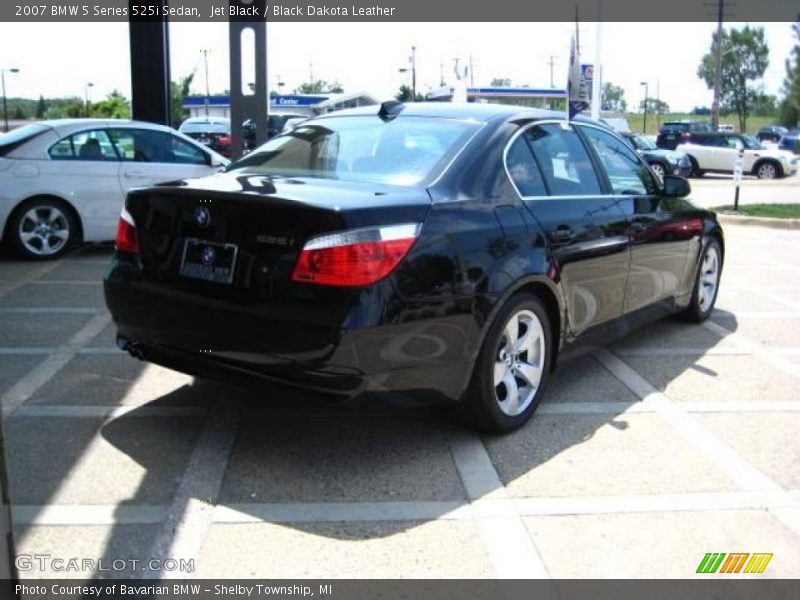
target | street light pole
x=717, y=67
x=413, y=73
x=86, y=88
x=208, y=94
x=5, y=107
x=644, y=124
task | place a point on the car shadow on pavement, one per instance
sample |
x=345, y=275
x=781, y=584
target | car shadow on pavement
x=290, y=448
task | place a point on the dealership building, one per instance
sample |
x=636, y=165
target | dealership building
x=300, y=104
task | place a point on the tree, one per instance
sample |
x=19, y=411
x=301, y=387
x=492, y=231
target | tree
x=613, y=98
x=654, y=106
x=745, y=57
x=19, y=114
x=790, y=105
x=501, y=82
x=179, y=90
x=115, y=106
x=320, y=86
x=404, y=94
x=41, y=108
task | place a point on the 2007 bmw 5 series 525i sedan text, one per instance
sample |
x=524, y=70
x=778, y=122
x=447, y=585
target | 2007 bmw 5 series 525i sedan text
x=449, y=251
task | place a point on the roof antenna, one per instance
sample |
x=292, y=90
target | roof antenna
x=390, y=109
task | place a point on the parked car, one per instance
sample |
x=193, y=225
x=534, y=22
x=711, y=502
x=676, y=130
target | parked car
x=673, y=133
x=275, y=124
x=64, y=181
x=449, y=251
x=214, y=132
x=790, y=143
x=717, y=153
x=771, y=133
x=661, y=161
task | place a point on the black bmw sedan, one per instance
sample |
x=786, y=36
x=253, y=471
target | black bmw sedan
x=446, y=251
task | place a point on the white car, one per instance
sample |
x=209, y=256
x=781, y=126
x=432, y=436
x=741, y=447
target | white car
x=717, y=153
x=64, y=181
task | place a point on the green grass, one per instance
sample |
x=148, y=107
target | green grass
x=773, y=211
x=753, y=123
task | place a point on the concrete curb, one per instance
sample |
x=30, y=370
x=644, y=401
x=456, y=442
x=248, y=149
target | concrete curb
x=759, y=221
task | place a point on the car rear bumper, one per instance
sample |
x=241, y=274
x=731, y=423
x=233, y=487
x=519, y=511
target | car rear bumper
x=204, y=338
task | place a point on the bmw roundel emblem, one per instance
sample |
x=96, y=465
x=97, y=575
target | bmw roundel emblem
x=208, y=255
x=202, y=216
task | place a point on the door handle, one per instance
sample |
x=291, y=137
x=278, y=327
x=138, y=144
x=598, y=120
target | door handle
x=562, y=234
x=133, y=174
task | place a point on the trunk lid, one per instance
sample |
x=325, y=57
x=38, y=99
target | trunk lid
x=262, y=221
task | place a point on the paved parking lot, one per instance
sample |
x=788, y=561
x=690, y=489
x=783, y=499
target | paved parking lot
x=676, y=441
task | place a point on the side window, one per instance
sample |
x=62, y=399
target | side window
x=626, y=171
x=144, y=145
x=523, y=169
x=92, y=145
x=562, y=158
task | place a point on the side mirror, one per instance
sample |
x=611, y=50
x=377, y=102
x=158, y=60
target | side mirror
x=676, y=187
x=216, y=162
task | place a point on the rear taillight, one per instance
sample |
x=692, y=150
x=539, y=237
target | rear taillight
x=126, y=234
x=354, y=258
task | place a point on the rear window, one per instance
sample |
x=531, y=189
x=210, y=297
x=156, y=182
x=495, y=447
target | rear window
x=17, y=137
x=400, y=151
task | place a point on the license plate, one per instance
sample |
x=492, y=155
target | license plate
x=208, y=261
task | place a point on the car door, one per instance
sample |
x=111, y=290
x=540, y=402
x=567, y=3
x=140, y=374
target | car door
x=150, y=156
x=585, y=229
x=85, y=168
x=724, y=153
x=659, y=234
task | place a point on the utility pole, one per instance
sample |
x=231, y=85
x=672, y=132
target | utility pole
x=86, y=98
x=441, y=71
x=311, y=72
x=471, y=71
x=551, y=61
x=413, y=73
x=717, y=66
x=208, y=93
x=5, y=108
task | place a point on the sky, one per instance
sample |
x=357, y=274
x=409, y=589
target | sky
x=59, y=59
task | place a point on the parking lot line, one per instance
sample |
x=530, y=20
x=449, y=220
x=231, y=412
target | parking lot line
x=775, y=297
x=754, y=348
x=682, y=351
x=61, y=310
x=511, y=550
x=101, y=514
x=35, y=272
x=335, y=512
x=18, y=393
x=742, y=472
x=405, y=511
x=104, y=412
x=190, y=515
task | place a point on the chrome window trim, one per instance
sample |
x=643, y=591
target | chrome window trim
x=561, y=122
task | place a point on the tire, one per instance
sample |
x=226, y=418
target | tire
x=706, y=284
x=490, y=404
x=659, y=170
x=695, y=172
x=768, y=169
x=42, y=229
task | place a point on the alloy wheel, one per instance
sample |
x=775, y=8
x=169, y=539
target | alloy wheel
x=44, y=230
x=767, y=171
x=709, y=278
x=658, y=170
x=519, y=363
